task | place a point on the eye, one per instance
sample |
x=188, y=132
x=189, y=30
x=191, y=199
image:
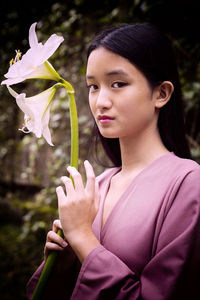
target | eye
x=92, y=87
x=119, y=84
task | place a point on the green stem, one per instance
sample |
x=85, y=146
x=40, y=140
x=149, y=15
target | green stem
x=37, y=294
x=74, y=125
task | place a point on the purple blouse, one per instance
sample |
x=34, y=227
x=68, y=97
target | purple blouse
x=150, y=242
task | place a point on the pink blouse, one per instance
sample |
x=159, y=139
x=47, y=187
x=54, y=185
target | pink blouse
x=150, y=242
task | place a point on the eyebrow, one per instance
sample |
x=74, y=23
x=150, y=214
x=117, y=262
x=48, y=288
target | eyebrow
x=111, y=73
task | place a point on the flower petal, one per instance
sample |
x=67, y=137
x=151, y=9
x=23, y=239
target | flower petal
x=45, y=71
x=12, y=92
x=51, y=45
x=22, y=68
x=47, y=135
x=37, y=111
x=31, y=62
x=11, y=81
x=46, y=132
x=33, y=41
x=20, y=100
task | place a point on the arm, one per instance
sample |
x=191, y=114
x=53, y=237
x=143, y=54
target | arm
x=62, y=279
x=176, y=264
x=77, y=218
x=175, y=261
x=64, y=275
x=172, y=272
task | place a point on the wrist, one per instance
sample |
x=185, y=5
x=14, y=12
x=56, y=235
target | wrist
x=83, y=243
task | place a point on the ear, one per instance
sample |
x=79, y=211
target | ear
x=163, y=93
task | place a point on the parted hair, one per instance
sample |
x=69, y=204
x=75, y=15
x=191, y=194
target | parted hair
x=151, y=52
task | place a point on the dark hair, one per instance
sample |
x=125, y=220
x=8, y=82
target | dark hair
x=151, y=52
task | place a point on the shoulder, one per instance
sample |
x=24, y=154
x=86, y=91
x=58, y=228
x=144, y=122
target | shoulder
x=187, y=177
x=180, y=167
x=188, y=163
x=185, y=170
x=178, y=186
x=189, y=169
x=170, y=173
x=107, y=174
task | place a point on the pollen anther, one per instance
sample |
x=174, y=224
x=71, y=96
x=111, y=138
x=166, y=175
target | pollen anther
x=17, y=57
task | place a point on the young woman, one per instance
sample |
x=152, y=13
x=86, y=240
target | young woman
x=134, y=231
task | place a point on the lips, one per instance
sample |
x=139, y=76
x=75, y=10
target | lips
x=103, y=119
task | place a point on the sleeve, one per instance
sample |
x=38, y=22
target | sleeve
x=173, y=272
x=62, y=279
x=33, y=281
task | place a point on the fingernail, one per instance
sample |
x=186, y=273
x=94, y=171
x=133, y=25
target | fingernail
x=64, y=244
x=58, y=188
x=70, y=167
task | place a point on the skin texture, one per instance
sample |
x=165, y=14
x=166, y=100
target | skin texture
x=117, y=89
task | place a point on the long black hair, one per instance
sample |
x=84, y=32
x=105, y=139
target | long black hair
x=151, y=52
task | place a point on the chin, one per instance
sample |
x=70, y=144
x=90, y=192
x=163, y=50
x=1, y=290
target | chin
x=109, y=135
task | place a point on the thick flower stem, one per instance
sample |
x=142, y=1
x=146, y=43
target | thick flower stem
x=73, y=124
x=74, y=132
x=39, y=289
x=37, y=295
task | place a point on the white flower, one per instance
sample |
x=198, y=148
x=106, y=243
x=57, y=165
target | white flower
x=36, y=111
x=34, y=64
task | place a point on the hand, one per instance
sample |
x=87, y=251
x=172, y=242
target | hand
x=54, y=241
x=78, y=207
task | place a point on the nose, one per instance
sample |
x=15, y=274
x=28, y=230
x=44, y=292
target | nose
x=103, y=100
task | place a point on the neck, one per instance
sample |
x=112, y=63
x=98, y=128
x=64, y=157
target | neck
x=136, y=153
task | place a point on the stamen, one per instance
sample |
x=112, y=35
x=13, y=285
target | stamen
x=24, y=129
x=27, y=126
x=17, y=57
x=11, y=62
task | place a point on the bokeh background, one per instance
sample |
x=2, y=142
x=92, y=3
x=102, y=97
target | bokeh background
x=29, y=168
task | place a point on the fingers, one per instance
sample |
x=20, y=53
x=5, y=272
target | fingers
x=77, y=178
x=97, y=194
x=78, y=182
x=61, y=196
x=56, y=225
x=53, y=237
x=90, y=185
x=51, y=247
x=68, y=184
x=54, y=242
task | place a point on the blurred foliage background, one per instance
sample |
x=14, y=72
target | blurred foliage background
x=29, y=168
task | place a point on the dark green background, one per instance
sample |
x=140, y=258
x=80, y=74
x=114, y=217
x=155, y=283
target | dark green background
x=30, y=169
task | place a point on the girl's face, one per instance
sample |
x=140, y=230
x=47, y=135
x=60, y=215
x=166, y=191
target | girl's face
x=120, y=98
